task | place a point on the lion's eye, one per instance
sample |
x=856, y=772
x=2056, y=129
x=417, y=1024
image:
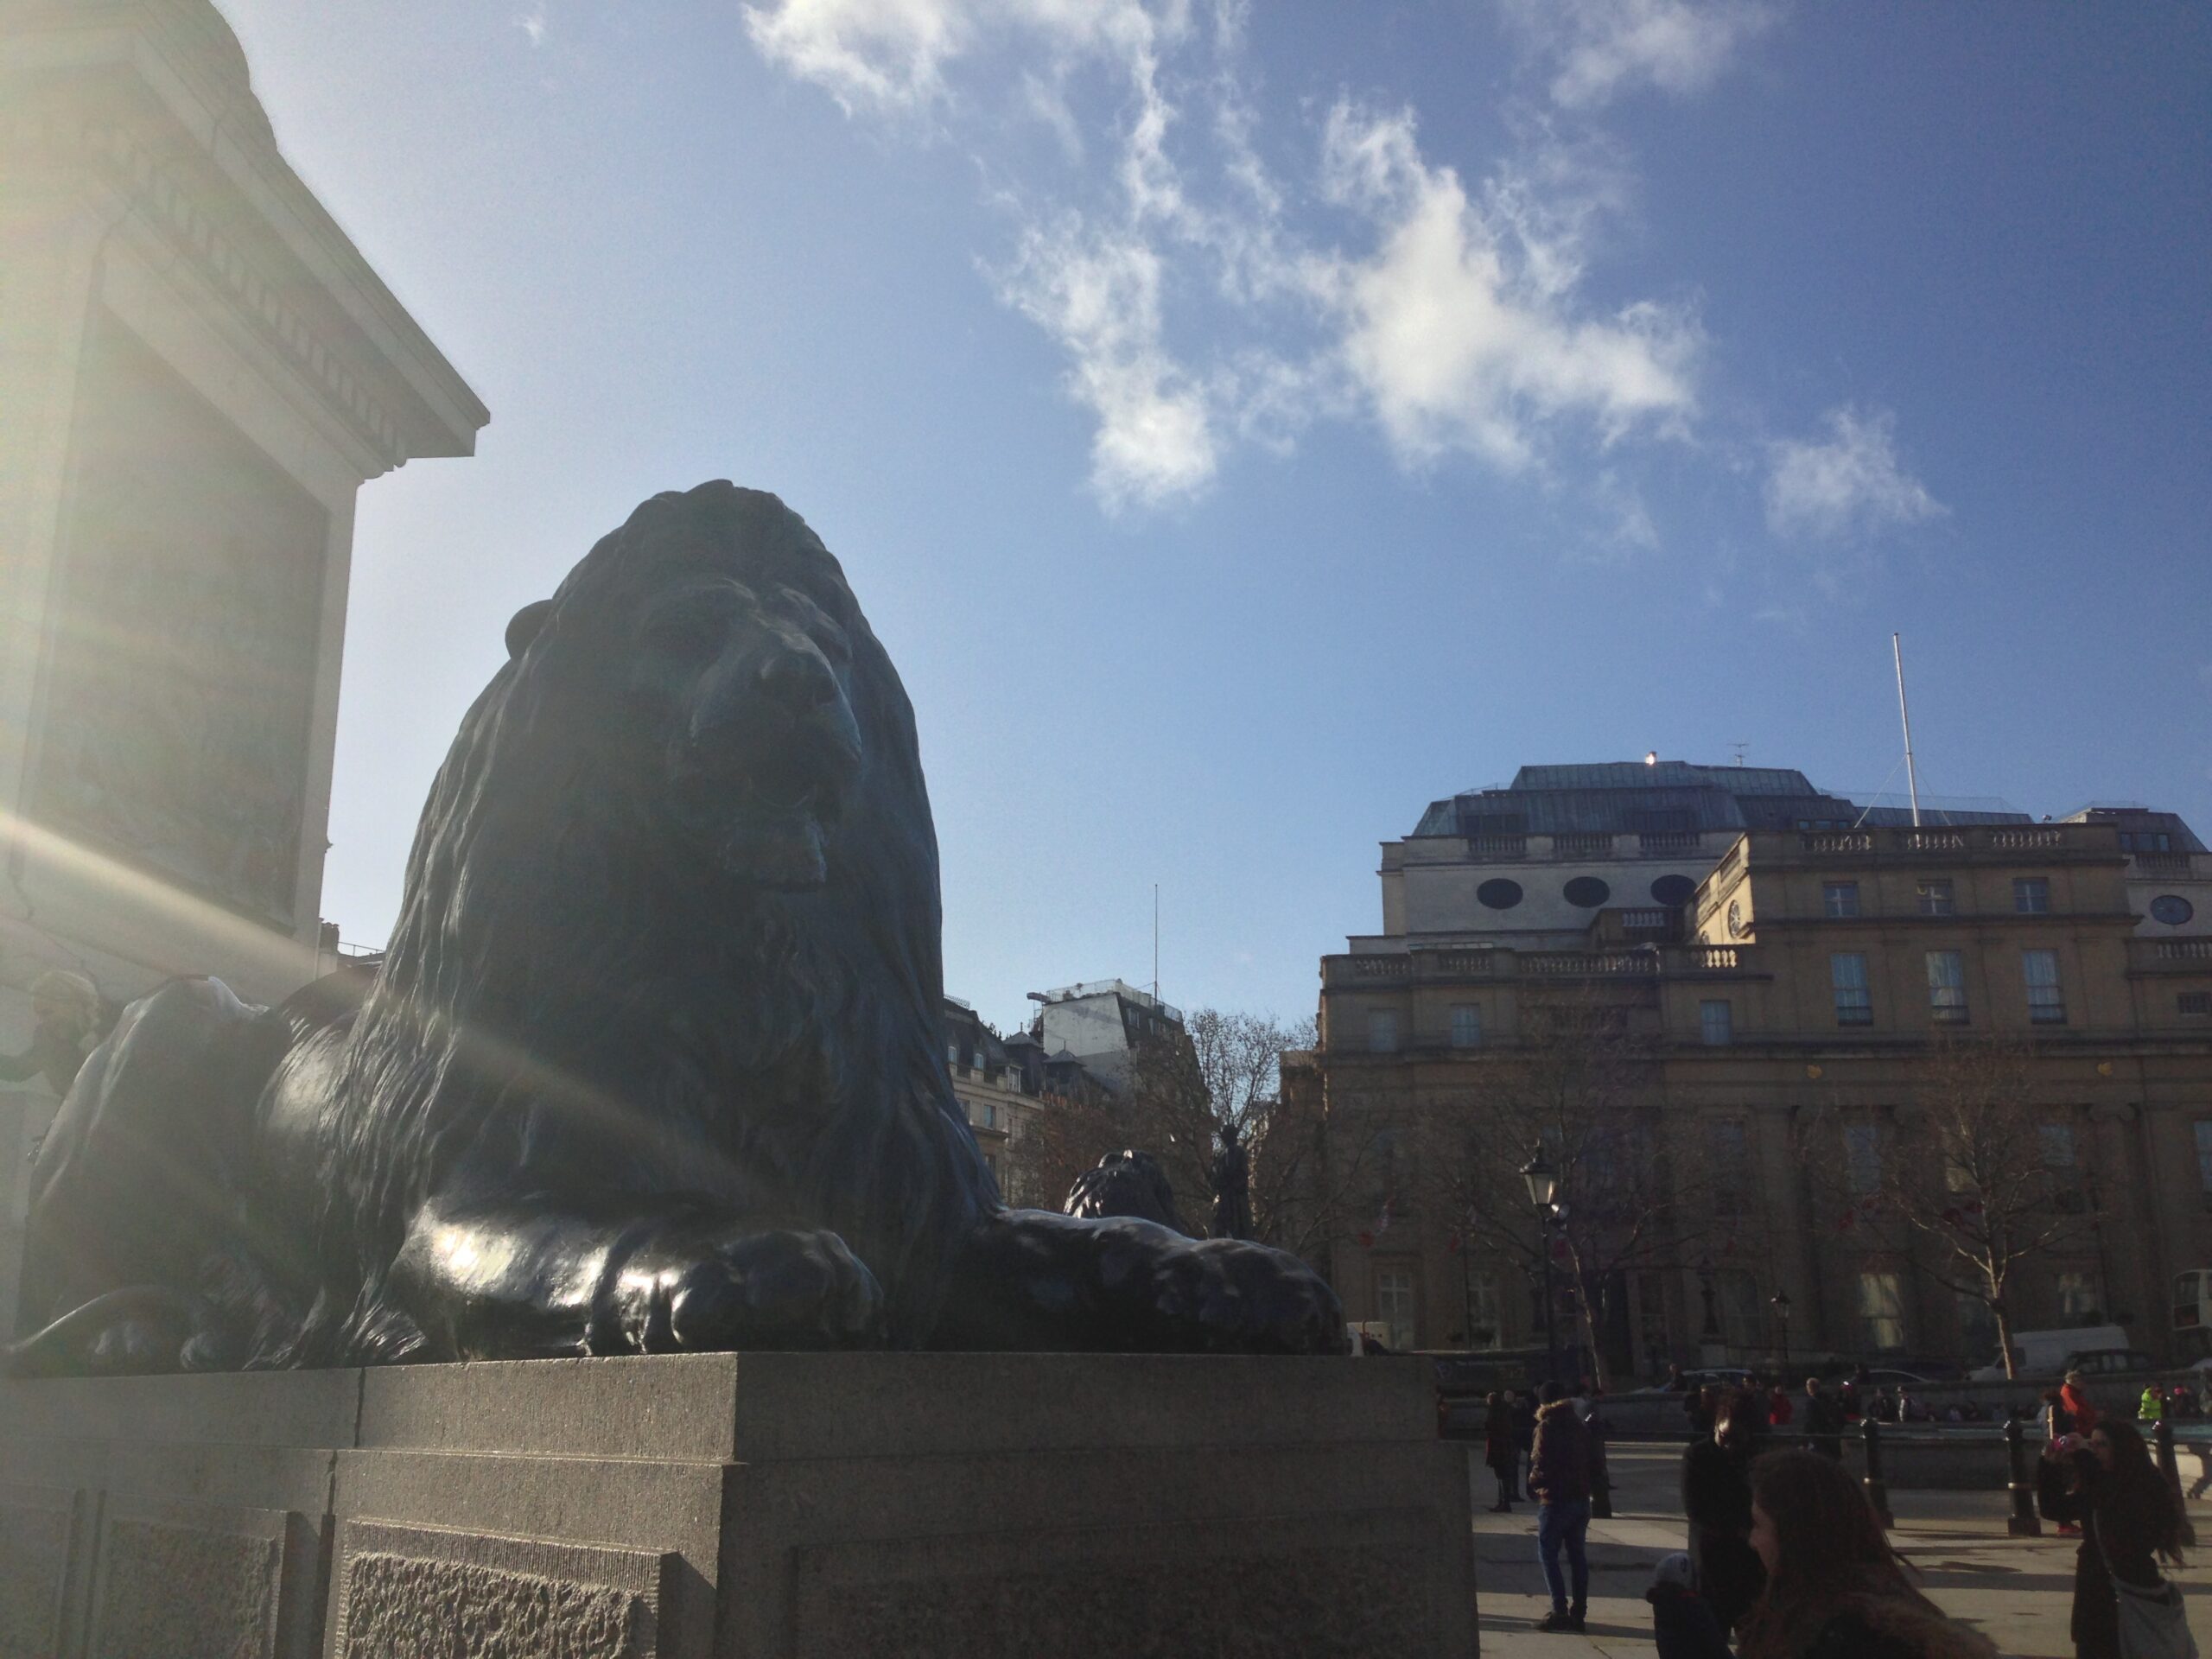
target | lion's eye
x=692, y=632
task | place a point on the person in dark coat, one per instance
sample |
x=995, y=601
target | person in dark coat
x=1823, y=1420
x=1682, y=1625
x=1558, y=1475
x=1498, y=1452
x=1835, y=1589
x=1717, y=1502
x=2129, y=1518
x=1524, y=1435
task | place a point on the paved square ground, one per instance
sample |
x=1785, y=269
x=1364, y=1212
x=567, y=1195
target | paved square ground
x=2017, y=1591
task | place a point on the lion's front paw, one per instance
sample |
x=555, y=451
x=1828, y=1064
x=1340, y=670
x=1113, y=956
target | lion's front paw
x=776, y=1290
x=1230, y=1296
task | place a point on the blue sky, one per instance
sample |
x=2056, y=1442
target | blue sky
x=1245, y=424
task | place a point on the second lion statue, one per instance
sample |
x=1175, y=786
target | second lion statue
x=653, y=1062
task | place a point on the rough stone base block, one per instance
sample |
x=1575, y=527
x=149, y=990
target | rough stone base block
x=761, y=1504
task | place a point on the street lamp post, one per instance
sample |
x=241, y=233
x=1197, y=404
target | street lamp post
x=1543, y=1194
x=1782, y=1318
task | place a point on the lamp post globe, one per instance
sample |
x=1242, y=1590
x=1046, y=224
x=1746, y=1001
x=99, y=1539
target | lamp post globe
x=1542, y=1180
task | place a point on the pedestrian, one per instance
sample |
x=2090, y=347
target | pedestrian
x=1858, y=1391
x=2151, y=1407
x=2057, y=1421
x=1835, y=1588
x=1676, y=1382
x=1682, y=1625
x=2128, y=1517
x=1698, y=1407
x=1823, y=1420
x=1497, y=1449
x=1717, y=1502
x=1524, y=1436
x=1558, y=1475
x=2073, y=1394
x=1780, y=1411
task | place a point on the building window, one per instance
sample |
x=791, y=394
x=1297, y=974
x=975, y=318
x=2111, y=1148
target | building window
x=2031, y=895
x=1947, y=987
x=2075, y=1297
x=1840, y=899
x=2146, y=841
x=1467, y=1026
x=952, y=1054
x=1862, y=1157
x=1736, y=1297
x=1716, y=1022
x=1854, y=1003
x=1935, y=898
x=1731, y=1168
x=1394, y=1305
x=991, y=1163
x=1382, y=1031
x=2046, y=1000
x=1484, y=1328
x=2193, y=1005
x=2057, y=1140
x=1881, y=1313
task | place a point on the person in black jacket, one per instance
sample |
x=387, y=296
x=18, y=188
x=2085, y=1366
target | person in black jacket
x=1823, y=1420
x=1524, y=1434
x=1835, y=1589
x=1717, y=1502
x=2128, y=1514
x=1498, y=1451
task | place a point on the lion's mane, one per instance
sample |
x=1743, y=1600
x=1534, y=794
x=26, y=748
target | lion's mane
x=562, y=980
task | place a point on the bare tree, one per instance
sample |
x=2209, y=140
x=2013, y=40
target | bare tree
x=1635, y=1189
x=1983, y=1175
x=1179, y=1094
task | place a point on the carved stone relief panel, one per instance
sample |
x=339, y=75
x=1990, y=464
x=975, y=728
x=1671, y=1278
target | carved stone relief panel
x=181, y=655
x=403, y=1592
x=191, y=1580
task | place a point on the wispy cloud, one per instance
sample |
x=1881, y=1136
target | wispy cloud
x=532, y=23
x=1594, y=50
x=1450, y=316
x=1459, y=326
x=1847, y=486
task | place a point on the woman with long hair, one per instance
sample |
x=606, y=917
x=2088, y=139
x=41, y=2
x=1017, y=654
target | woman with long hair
x=2129, y=1518
x=1717, y=1502
x=1835, y=1589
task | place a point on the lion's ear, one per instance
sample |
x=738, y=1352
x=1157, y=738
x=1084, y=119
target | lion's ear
x=524, y=625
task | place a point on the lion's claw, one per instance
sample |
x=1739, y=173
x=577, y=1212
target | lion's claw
x=776, y=1290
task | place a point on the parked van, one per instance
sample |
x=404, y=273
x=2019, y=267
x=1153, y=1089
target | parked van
x=2045, y=1353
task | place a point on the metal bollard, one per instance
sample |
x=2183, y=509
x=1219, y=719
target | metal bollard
x=2162, y=1433
x=1877, y=1489
x=2023, y=1522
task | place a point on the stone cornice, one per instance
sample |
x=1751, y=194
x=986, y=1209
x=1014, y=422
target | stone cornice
x=156, y=111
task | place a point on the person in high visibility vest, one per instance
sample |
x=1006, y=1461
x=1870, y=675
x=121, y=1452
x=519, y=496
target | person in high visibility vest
x=2154, y=1405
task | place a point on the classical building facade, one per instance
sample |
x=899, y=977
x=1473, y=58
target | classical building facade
x=1780, y=1013
x=198, y=371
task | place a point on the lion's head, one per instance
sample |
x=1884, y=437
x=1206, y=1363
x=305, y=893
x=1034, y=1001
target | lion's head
x=678, y=868
x=738, y=670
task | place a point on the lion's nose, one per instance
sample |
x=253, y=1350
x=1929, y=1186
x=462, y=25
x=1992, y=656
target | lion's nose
x=798, y=680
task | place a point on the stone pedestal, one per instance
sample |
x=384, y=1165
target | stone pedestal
x=786, y=1505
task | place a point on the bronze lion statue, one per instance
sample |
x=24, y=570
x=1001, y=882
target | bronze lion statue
x=652, y=1062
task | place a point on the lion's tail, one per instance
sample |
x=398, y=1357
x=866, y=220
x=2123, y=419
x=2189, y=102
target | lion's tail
x=67, y=1344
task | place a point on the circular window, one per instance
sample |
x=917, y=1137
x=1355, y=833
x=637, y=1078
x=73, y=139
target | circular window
x=1588, y=892
x=2171, y=909
x=1498, y=893
x=1673, y=891
x=1735, y=920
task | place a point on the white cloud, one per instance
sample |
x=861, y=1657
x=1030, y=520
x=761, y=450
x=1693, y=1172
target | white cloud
x=1460, y=330
x=892, y=55
x=1453, y=319
x=1098, y=294
x=532, y=23
x=1850, y=485
x=1596, y=50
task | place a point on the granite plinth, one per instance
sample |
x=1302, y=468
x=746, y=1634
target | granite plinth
x=757, y=1504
